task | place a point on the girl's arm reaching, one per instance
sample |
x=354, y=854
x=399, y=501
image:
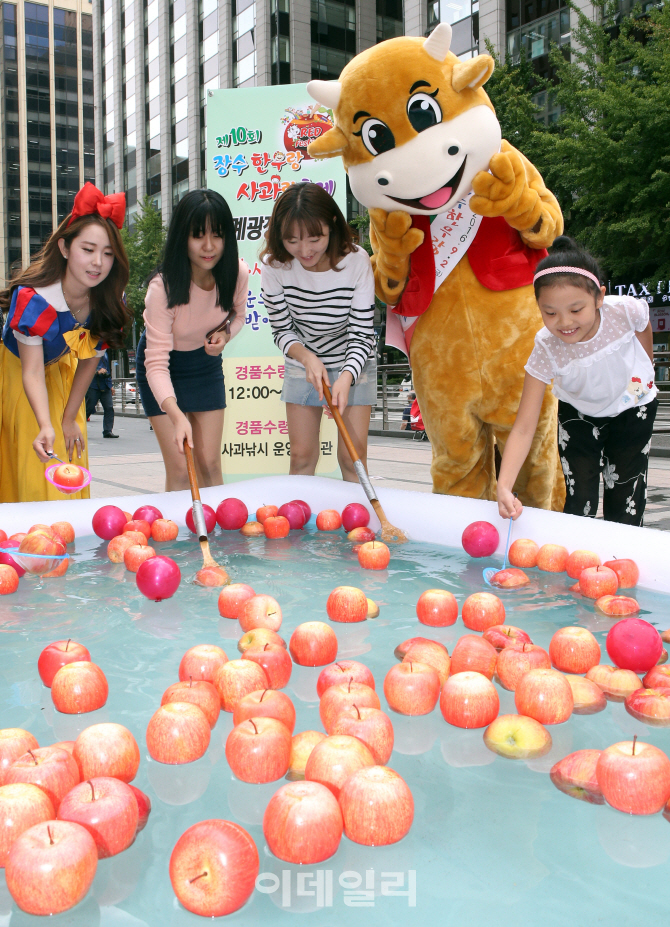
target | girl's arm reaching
x=518, y=444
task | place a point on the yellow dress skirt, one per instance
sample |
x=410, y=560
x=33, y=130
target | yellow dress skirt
x=21, y=471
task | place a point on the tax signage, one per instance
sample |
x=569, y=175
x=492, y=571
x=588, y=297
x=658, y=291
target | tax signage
x=257, y=147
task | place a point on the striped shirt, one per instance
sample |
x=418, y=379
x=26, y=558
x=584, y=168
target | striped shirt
x=330, y=313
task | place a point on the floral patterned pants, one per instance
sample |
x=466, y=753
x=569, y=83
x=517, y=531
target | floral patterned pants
x=618, y=447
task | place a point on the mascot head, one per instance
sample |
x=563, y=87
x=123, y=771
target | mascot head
x=412, y=123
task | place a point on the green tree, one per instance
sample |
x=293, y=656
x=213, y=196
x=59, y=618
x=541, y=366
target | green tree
x=144, y=247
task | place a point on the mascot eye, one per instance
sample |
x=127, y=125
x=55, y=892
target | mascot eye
x=423, y=111
x=376, y=135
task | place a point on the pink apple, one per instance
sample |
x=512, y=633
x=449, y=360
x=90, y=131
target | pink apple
x=523, y=553
x=574, y=650
x=197, y=692
x=544, y=694
x=576, y=776
x=480, y=539
x=355, y=515
x=14, y=742
x=588, y=698
x=210, y=518
x=108, y=810
x=511, y=578
x=552, y=558
x=517, y=737
x=107, y=750
x=232, y=599
x=347, y=604
x=634, y=777
x=178, y=733
x=148, y=513
x=213, y=868
x=274, y=660
x=652, y=706
x=260, y=611
x=377, y=806
x=361, y=535
x=617, y=684
x=343, y=671
x=50, y=768
x=231, y=514
x=22, y=805
x=303, y=823
x=482, y=611
x=334, y=759
x=627, y=571
x=516, y=660
x=374, y=555
x=313, y=643
x=143, y=807
x=501, y=636
x=109, y=521
x=294, y=514
x=437, y=608
x=305, y=507
x=259, y=749
x=237, y=678
x=201, y=662
x=58, y=654
x=433, y=654
x=412, y=688
x=474, y=654
x=580, y=560
x=51, y=867
x=265, y=703
x=469, y=700
x=78, y=688
x=634, y=644
x=369, y=725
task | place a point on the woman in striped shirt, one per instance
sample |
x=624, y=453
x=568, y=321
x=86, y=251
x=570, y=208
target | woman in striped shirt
x=318, y=290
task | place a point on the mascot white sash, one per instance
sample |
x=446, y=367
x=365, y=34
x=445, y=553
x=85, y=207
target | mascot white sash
x=451, y=234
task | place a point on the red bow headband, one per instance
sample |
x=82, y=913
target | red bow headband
x=90, y=200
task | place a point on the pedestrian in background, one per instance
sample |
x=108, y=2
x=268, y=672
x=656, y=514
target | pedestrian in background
x=101, y=390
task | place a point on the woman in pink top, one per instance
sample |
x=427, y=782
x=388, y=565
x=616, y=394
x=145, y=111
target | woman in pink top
x=194, y=305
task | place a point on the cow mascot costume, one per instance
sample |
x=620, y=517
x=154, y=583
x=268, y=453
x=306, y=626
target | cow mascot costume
x=459, y=219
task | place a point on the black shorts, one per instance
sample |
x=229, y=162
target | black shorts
x=197, y=378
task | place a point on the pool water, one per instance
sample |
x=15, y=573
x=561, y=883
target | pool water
x=493, y=842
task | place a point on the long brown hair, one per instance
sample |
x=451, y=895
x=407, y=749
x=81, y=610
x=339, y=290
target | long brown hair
x=109, y=314
x=310, y=207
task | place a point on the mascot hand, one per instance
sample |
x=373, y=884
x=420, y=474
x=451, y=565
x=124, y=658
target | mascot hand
x=393, y=240
x=504, y=190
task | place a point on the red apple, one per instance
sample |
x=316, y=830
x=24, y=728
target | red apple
x=482, y=611
x=51, y=867
x=275, y=661
x=164, y=529
x=265, y=703
x=213, y=868
x=231, y=514
x=201, y=662
x=302, y=745
x=276, y=526
x=516, y=660
x=200, y=693
x=65, y=531
x=412, y=688
x=344, y=695
x=303, y=823
x=69, y=475
x=135, y=555
x=343, y=671
x=252, y=529
x=259, y=637
x=502, y=636
x=574, y=650
x=313, y=643
x=148, y=513
x=400, y=651
x=138, y=525
x=617, y=684
x=658, y=677
x=371, y=726
x=8, y=560
x=588, y=698
x=355, y=515
x=652, y=706
x=334, y=759
x=377, y=806
x=469, y=700
x=374, y=555
x=14, y=742
x=59, y=654
x=120, y=544
x=634, y=644
x=305, y=507
x=209, y=515
x=18, y=537
x=143, y=807
x=480, y=539
x=552, y=558
x=22, y=805
x=473, y=653
x=178, y=733
x=108, y=810
x=433, y=655
x=511, y=578
x=258, y=749
x=580, y=560
x=232, y=599
x=597, y=581
x=107, y=750
x=260, y=611
x=634, y=777
x=45, y=546
x=347, y=604
x=576, y=776
x=50, y=768
x=523, y=553
x=328, y=520
x=361, y=535
x=616, y=606
x=79, y=687
x=627, y=571
x=9, y=578
x=266, y=511
x=544, y=694
x=517, y=737
x=236, y=678
x=294, y=514
x=437, y=608
x=108, y=521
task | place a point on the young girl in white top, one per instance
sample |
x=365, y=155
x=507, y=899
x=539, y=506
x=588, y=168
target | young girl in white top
x=598, y=351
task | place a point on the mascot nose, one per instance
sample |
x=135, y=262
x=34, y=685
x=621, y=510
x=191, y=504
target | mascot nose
x=384, y=178
x=451, y=149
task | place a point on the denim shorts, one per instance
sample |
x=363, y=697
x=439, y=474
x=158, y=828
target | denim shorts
x=297, y=390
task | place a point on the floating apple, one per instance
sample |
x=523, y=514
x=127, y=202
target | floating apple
x=369, y=725
x=65, y=531
x=58, y=654
x=266, y=511
x=361, y=535
x=377, y=806
x=400, y=651
x=544, y=694
x=373, y=609
x=658, y=677
x=135, y=555
x=14, y=742
x=260, y=611
x=213, y=868
x=118, y=546
x=627, y=571
x=259, y=637
x=517, y=737
x=480, y=539
x=634, y=644
x=523, y=553
x=22, y=805
x=576, y=776
x=580, y=560
x=51, y=769
x=107, y=749
x=616, y=606
x=597, y=581
x=342, y=672
x=252, y=529
x=276, y=526
x=9, y=578
x=8, y=560
x=652, y=706
x=355, y=515
x=302, y=745
x=511, y=578
x=143, y=807
x=347, y=604
x=294, y=514
x=109, y=521
x=552, y=558
x=313, y=643
x=328, y=520
x=265, y=703
x=501, y=636
x=473, y=653
x=198, y=692
x=433, y=654
x=237, y=678
x=374, y=555
x=274, y=660
x=517, y=659
x=634, y=777
x=231, y=514
x=305, y=507
x=437, y=608
x=209, y=515
x=588, y=698
x=412, y=688
x=158, y=578
x=617, y=684
x=334, y=759
x=79, y=687
x=469, y=700
x=164, y=529
x=108, y=810
x=574, y=650
x=482, y=611
x=148, y=513
x=259, y=749
x=136, y=524
x=178, y=733
x=212, y=576
x=201, y=662
x=303, y=823
x=344, y=695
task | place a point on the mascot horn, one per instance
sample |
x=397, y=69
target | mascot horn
x=459, y=219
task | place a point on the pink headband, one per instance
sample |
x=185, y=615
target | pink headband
x=567, y=270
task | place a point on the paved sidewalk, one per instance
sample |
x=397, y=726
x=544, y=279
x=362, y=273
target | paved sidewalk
x=133, y=465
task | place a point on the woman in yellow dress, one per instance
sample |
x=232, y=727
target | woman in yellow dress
x=61, y=313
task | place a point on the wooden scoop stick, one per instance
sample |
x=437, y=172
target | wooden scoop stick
x=198, y=514
x=390, y=534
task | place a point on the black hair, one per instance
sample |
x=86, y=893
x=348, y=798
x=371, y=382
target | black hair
x=566, y=253
x=193, y=213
